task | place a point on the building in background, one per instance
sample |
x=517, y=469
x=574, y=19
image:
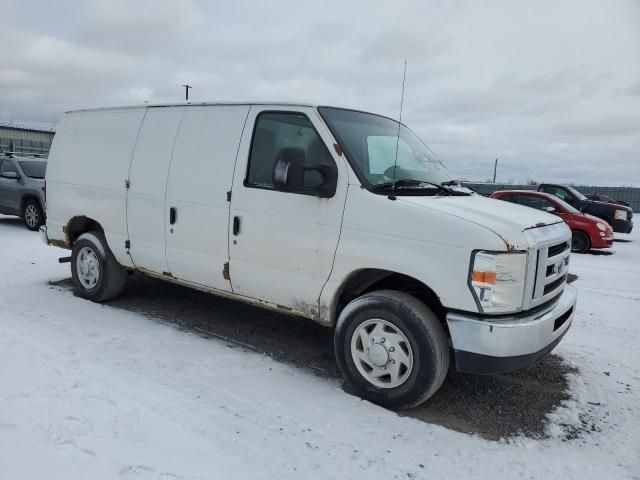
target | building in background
x=25, y=139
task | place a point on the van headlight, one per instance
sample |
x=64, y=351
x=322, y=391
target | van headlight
x=497, y=280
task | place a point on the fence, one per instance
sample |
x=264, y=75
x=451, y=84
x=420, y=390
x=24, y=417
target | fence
x=626, y=194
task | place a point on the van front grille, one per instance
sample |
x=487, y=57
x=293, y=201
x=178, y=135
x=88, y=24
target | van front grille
x=558, y=249
x=552, y=264
x=550, y=287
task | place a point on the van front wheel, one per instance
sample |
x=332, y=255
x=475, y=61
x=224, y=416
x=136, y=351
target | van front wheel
x=96, y=273
x=391, y=349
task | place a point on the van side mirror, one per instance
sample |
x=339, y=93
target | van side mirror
x=10, y=175
x=292, y=174
x=550, y=209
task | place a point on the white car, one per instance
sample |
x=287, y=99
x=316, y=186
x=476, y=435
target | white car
x=340, y=216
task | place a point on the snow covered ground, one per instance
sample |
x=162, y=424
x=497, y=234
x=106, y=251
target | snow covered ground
x=89, y=391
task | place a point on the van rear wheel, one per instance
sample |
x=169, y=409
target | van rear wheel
x=391, y=349
x=96, y=274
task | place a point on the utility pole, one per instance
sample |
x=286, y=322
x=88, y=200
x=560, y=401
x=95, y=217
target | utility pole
x=186, y=91
x=495, y=169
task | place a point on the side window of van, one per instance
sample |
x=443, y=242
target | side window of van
x=291, y=134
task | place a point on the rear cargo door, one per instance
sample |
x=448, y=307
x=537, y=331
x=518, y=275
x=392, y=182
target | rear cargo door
x=147, y=187
x=196, y=207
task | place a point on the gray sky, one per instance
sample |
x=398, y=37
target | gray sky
x=551, y=88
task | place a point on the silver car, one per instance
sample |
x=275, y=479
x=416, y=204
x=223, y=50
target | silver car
x=22, y=190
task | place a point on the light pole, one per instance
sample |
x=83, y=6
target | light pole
x=186, y=91
x=495, y=169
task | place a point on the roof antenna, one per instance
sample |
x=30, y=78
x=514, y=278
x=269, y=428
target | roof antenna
x=395, y=163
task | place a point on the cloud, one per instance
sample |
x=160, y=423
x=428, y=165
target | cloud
x=633, y=90
x=140, y=94
x=608, y=126
x=498, y=79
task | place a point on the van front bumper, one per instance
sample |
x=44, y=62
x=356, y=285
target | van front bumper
x=505, y=344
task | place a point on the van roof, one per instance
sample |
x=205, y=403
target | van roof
x=200, y=103
x=182, y=104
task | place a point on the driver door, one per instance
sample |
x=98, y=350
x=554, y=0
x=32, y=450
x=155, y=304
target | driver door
x=282, y=243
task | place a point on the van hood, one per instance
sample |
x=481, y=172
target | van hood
x=505, y=219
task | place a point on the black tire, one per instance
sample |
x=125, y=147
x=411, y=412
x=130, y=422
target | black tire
x=32, y=215
x=421, y=328
x=111, y=276
x=580, y=242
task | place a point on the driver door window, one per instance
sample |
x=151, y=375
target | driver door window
x=291, y=135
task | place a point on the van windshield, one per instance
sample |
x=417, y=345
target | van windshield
x=369, y=142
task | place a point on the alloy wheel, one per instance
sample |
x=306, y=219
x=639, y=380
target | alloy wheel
x=31, y=215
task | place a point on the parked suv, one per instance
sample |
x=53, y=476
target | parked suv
x=618, y=216
x=339, y=216
x=587, y=231
x=22, y=189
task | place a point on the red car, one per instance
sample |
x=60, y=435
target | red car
x=588, y=231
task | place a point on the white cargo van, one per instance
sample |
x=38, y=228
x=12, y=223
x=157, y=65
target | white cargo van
x=306, y=210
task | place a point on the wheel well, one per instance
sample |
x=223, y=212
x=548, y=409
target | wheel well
x=371, y=279
x=79, y=225
x=26, y=198
x=583, y=232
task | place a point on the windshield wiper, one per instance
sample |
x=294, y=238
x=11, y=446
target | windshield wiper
x=410, y=182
